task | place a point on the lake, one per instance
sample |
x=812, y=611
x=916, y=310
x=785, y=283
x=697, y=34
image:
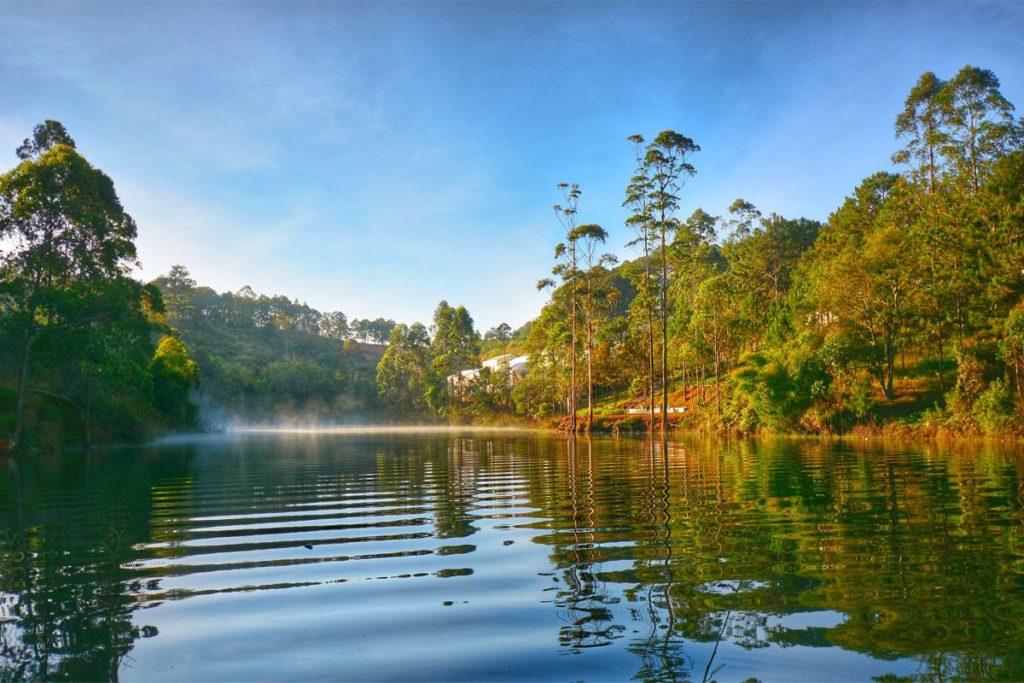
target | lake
x=511, y=556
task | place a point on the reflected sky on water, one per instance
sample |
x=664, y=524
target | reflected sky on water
x=441, y=556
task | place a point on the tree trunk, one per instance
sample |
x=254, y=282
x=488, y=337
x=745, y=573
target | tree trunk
x=686, y=382
x=1016, y=373
x=942, y=379
x=572, y=371
x=960, y=321
x=650, y=356
x=718, y=377
x=890, y=362
x=664, y=332
x=590, y=376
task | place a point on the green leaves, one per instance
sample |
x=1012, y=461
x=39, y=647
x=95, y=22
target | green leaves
x=65, y=233
x=175, y=375
x=955, y=130
x=47, y=134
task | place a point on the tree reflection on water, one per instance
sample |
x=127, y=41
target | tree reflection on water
x=683, y=556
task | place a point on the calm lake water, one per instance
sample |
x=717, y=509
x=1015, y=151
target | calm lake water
x=511, y=557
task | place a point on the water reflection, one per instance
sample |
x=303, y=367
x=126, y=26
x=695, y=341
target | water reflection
x=526, y=557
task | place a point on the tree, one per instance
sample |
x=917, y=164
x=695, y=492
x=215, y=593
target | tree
x=594, y=293
x=403, y=371
x=979, y=121
x=47, y=134
x=666, y=167
x=334, y=325
x=502, y=332
x=175, y=375
x=763, y=254
x=921, y=124
x=94, y=354
x=865, y=278
x=65, y=225
x=567, y=270
x=1012, y=347
x=452, y=349
x=642, y=222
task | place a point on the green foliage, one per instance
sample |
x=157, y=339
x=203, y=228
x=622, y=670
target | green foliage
x=536, y=395
x=454, y=348
x=1011, y=346
x=175, y=375
x=862, y=401
x=994, y=407
x=970, y=383
x=909, y=299
x=267, y=358
x=403, y=374
x=782, y=385
x=76, y=329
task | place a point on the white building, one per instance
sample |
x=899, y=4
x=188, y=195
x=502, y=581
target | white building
x=515, y=366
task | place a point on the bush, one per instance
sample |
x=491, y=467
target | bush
x=970, y=383
x=862, y=401
x=994, y=408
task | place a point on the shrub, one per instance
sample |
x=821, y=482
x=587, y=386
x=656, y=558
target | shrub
x=994, y=408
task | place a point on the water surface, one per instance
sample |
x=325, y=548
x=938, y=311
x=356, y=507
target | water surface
x=427, y=557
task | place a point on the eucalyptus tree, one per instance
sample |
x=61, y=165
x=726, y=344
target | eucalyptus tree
x=47, y=134
x=713, y=321
x=334, y=325
x=666, y=167
x=642, y=222
x=453, y=348
x=502, y=332
x=62, y=224
x=743, y=219
x=566, y=269
x=979, y=124
x=594, y=293
x=921, y=125
x=403, y=371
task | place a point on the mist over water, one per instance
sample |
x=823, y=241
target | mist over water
x=314, y=429
x=381, y=554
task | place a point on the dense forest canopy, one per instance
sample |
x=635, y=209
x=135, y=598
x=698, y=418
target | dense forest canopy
x=905, y=307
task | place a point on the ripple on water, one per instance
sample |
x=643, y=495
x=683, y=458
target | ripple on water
x=477, y=557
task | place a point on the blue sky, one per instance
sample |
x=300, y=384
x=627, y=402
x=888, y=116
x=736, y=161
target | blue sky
x=376, y=158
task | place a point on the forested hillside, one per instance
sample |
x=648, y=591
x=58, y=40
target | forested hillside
x=905, y=307
x=272, y=359
x=905, y=310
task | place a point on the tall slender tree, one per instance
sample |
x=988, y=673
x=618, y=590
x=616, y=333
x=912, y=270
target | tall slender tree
x=453, y=348
x=567, y=270
x=642, y=222
x=593, y=294
x=979, y=122
x=920, y=124
x=667, y=166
